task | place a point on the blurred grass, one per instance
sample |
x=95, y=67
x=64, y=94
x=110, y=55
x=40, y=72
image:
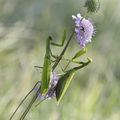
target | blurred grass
x=24, y=27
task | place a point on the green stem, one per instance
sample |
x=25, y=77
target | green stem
x=29, y=106
x=23, y=101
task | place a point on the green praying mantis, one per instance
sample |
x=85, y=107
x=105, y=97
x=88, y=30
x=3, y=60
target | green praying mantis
x=47, y=69
x=64, y=80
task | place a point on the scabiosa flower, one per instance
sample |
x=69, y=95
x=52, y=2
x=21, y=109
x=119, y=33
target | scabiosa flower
x=54, y=80
x=84, y=30
x=51, y=92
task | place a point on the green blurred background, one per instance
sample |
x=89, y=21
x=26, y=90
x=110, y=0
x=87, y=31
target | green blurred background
x=24, y=26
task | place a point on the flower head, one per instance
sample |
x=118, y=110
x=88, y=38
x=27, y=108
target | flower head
x=84, y=30
x=54, y=78
x=51, y=92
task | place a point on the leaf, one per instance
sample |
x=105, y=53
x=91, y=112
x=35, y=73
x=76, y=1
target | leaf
x=63, y=84
x=80, y=53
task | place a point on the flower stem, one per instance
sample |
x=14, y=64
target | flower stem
x=28, y=107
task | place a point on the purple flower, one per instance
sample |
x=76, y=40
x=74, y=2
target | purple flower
x=84, y=30
x=54, y=78
x=53, y=83
x=51, y=92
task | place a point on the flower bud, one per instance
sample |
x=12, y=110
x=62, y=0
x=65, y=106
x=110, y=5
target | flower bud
x=92, y=5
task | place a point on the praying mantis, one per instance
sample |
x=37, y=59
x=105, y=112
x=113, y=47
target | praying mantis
x=64, y=80
x=47, y=69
